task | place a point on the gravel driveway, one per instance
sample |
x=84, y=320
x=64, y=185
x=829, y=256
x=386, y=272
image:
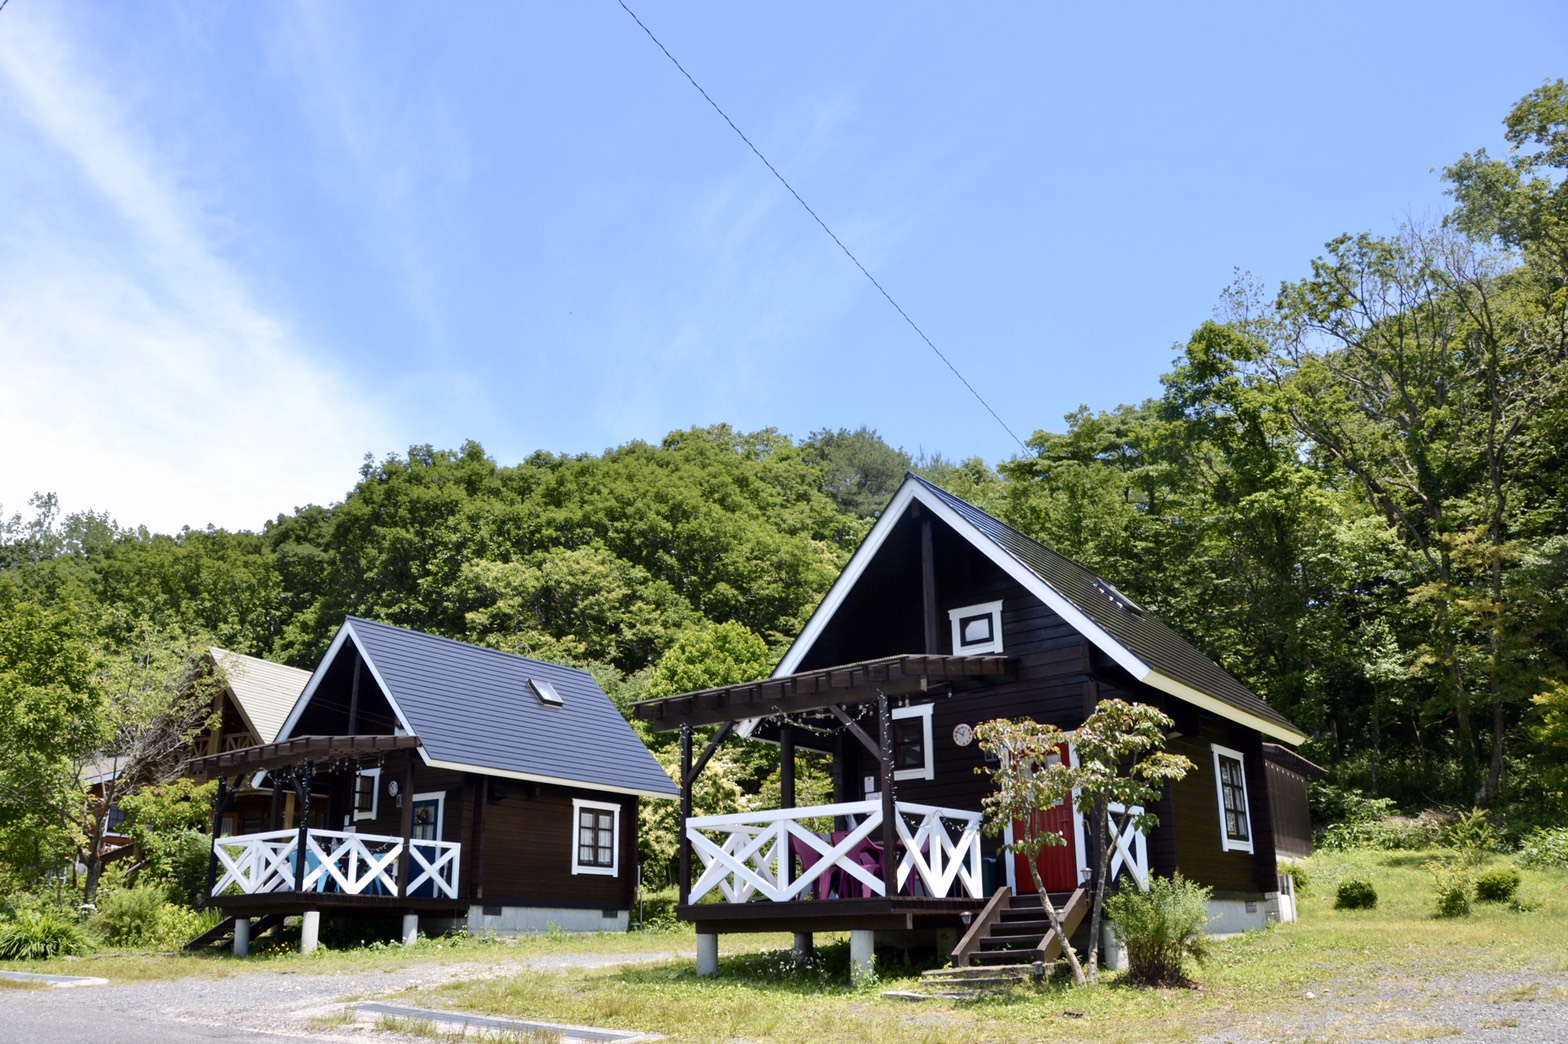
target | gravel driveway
x=261, y=1005
x=1505, y=1007
x=288, y=1004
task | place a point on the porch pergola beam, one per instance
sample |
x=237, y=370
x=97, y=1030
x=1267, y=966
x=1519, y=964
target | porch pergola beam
x=859, y=733
x=707, y=753
x=817, y=690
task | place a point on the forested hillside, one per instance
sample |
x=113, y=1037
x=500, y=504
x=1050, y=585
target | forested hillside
x=1350, y=493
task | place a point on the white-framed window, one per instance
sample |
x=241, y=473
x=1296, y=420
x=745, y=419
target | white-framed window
x=1230, y=781
x=913, y=757
x=367, y=793
x=596, y=831
x=976, y=628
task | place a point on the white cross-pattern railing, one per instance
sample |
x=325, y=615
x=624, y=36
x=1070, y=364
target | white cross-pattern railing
x=336, y=861
x=752, y=853
x=1129, y=848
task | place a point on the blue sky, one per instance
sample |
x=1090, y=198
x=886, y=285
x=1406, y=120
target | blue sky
x=242, y=245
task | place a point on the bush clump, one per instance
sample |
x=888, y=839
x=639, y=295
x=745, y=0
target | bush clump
x=1355, y=894
x=1497, y=886
x=1453, y=892
x=1358, y=821
x=128, y=916
x=1298, y=872
x=145, y=918
x=1161, y=928
x=1544, y=848
x=40, y=933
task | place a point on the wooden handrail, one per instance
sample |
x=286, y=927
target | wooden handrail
x=970, y=943
x=1071, y=915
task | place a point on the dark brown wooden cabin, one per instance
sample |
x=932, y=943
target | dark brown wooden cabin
x=945, y=618
x=424, y=777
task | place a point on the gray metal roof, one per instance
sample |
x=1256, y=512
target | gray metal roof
x=473, y=708
x=263, y=691
x=1153, y=643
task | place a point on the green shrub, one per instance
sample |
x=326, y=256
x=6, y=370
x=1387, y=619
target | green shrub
x=1389, y=834
x=1453, y=892
x=1497, y=886
x=1472, y=835
x=40, y=933
x=1161, y=928
x=1298, y=872
x=129, y=916
x=1545, y=847
x=1355, y=894
x=658, y=910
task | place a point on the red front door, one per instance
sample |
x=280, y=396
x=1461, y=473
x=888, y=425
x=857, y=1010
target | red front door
x=1058, y=863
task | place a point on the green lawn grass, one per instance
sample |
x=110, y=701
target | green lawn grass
x=761, y=993
x=1249, y=980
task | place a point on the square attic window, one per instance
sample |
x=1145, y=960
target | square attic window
x=546, y=692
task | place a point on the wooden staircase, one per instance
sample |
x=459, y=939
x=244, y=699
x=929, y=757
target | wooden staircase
x=1010, y=942
x=222, y=932
x=1014, y=930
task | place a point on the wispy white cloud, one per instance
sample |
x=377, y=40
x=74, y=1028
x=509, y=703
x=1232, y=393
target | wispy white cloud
x=144, y=375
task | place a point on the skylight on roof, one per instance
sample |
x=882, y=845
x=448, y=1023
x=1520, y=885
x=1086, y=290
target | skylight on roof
x=546, y=692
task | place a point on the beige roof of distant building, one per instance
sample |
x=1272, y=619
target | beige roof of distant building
x=263, y=691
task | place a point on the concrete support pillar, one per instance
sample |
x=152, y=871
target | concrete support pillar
x=242, y=937
x=804, y=945
x=862, y=956
x=707, y=954
x=410, y=929
x=1113, y=955
x=309, y=931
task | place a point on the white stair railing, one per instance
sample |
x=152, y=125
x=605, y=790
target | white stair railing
x=752, y=853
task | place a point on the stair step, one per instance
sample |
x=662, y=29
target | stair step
x=990, y=973
x=995, y=957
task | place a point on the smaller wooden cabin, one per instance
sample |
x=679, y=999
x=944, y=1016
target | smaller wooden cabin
x=249, y=709
x=425, y=777
x=944, y=618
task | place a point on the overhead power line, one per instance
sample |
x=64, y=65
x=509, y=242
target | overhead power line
x=824, y=225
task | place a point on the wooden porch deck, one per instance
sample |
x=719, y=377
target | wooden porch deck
x=877, y=913
x=290, y=903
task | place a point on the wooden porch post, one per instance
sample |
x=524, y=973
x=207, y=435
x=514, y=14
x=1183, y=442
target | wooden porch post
x=406, y=826
x=889, y=809
x=275, y=817
x=928, y=589
x=219, y=800
x=302, y=783
x=686, y=785
x=787, y=765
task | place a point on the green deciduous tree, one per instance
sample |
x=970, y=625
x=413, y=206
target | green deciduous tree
x=1118, y=764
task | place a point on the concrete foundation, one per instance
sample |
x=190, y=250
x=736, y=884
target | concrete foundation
x=309, y=931
x=530, y=920
x=707, y=954
x=242, y=937
x=410, y=929
x=862, y=956
x=1229, y=916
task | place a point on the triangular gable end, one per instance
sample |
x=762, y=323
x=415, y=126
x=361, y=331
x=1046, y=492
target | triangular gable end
x=346, y=635
x=915, y=490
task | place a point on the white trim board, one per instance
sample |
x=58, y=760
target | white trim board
x=533, y=777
